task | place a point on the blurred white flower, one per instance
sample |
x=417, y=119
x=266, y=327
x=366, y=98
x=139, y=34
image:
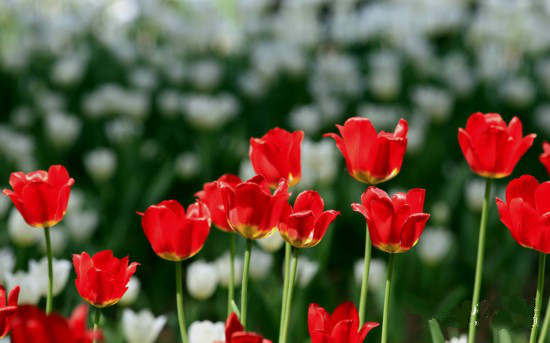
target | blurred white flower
x=20, y=232
x=134, y=286
x=434, y=245
x=253, y=84
x=542, y=117
x=76, y=200
x=440, y=213
x=206, y=332
x=68, y=70
x=271, y=243
x=518, y=92
x=39, y=271
x=384, y=79
x=141, y=327
x=306, y=118
x=22, y=117
x=4, y=205
x=435, y=102
x=306, y=271
x=246, y=171
x=100, y=163
x=81, y=224
x=58, y=239
x=382, y=117
x=30, y=287
x=260, y=264
x=474, y=192
x=377, y=273
x=319, y=163
x=209, y=112
x=461, y=339
x=7, y=263
x=169, y=102
x=223, y=269
x=143, y=78
x=187, y=165
x=62, y=129
x=205, y=74
x=202, y=279
x=123, y=130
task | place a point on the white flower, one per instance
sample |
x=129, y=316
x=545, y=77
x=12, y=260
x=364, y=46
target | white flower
x=435, y=102
x=319, y=163
x=440, y=213
x=461, y=339
x=134, y=286
x=143, y=78
x=68, y=70
x=76, y=200
x=223, y=268
x=518, y=91
x=246, y=171
x=206, y=332
x=260, y=264
x=141, y=327
x=542, y=117
x=306, y=270
x=20, y=232
x=81, y=224
x=123, y=130
x=205, y=74
x=58, y=239
x=377, y=273
x=306, y=118
x=187, y=165
x=169, y=102
x=474, y=194
x=100, y=163
x=7, y=262
x=209, y=112
x=271, y=243
x=30, y=290
x=39, y=271
x=202, y=279
x=434, y=245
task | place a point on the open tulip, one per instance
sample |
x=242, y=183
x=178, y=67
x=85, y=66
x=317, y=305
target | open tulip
x=102, y=280
x=492, y=148
x=175, y=234
x=342, y=326
x=211, y=196
x=395, y=223
x=235, y=333
x=371, y=157
x=277, y=156
x=545, y=157
x=7, y=309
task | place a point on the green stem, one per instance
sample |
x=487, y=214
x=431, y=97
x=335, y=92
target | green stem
x=545, y=324
x=386, y=314
x=288, y=253
x=244, y=287
x=479, y=263
x=49, y=299
x=231, y=288
x=538, y=299
x=97, y=318
x=365, y=282
x=179, y=300
x=288, y=306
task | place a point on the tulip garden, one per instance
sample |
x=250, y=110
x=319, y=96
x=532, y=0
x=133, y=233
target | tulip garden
x=294, y=171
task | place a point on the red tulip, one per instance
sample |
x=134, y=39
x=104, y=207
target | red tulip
x=174, y=234
x=31, y=325
x=526, y=212
x=395, y=223
x=41, y=197
x=305, y=225
x=102, y=280
x=250, y=208
x=8, y=309
x=234, y=332
x=545, y=156
x=491, y=148
x=212, y=197
x=371, y=157
x=340, y=327
x=277, y=156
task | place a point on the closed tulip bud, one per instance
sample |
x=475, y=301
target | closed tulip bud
x=492, y=148
x=141, y=327
x=134, y=286
x=271, y=243
x=202, y=279
x=260, y=264
x=206, y=332
x=545, y=157
x=371, y=157
x=211, y=196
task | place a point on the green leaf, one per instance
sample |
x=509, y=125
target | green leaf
x=435, y=330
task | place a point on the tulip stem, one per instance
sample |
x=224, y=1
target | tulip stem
x=97, y=318
x=292, y=274
x=545, y=324
x=288, y=253
x=231, y=288
x=365, y=282
x=479, y=263
x=538, y=298
x=49, y=299
x=179, y=300
x=385, y=321
x=244, y=287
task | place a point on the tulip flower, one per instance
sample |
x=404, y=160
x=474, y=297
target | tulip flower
x=276, y=156
x=371, y=157
x=526, y=214
x=42, y=198
x=211, y=196
x=342, y=326
x=31, y=325
x=7, y=309
x=492, y=149
x=102, y=280
x=302, y=227
x=395, y=225
x=235, y=332
x=176, y=236
x=253, y=212
x=545, y=157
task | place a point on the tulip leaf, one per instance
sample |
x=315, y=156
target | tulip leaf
x=435, y=330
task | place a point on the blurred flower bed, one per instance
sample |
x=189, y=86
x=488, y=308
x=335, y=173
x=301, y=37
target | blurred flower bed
x=145, y=100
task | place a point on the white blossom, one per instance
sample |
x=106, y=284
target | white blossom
x=61, y=271
x=202, y=279
x=206, y=332
x=223, y=269
x=377, y=273
x=260, y=264
x=134, y=286
x=100, y=163
x=20, y=232
x=434, y=245
x=271, y=243
x=141, y=327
